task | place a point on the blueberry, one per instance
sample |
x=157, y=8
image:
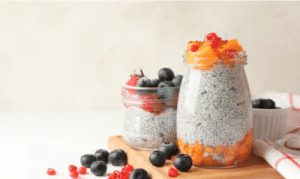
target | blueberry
x=168, y=149
x=102, y=155
x=157, y=158
x=154, y=83
x=263, y=104
x=98, y=168
x=117, y=157
x=87, y=159
x=166, y=90
x=139, y=173
x=165, y=74
x=183, y=162
x=143, y=82
x=177, y=80
x=271, y=104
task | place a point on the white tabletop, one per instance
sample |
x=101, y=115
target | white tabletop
x=32, y=142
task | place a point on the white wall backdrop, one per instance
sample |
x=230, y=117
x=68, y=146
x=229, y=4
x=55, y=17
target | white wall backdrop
x=75, y=55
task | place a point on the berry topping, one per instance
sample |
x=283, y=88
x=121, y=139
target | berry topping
x=183, y=162
x=157, y=158
x=143, y=82
x=74, y=175
x=134, y=80
x=139, y=173
x=82, y=170
x=117, y=157
x=166, y=90
x=194, y=48
x=72, y=168
x=263, y=104
x=173, y=173
x=98, y=168
x=211, y=37
x=154, y=83
x=172, y=158
x=127, y=168
x=87, y=159
x=177, y=80
x=214, y=44
x=102, y=155
x=51, y=171
x=165, y=74
x=152, y=103
x=124, y=175
x=168, y=149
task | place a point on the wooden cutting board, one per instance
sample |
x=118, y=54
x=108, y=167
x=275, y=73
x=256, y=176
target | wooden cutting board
x=254, y=167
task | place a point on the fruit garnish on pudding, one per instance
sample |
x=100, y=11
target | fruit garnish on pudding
x=205, y=54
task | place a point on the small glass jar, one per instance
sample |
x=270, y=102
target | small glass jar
x=149, y=119
x=214, y=117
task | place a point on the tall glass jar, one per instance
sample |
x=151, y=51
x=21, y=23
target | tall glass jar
x=214, y=116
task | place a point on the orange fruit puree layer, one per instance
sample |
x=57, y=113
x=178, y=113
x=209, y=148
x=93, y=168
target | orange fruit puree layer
x=204, y=155
x=203, y=55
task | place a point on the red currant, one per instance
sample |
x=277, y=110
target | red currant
x=127, y=168
x=112, y=176
x=124, y=175
x=82, y=170
x=214, y=44
x=74, y=175
x=51, y=171
x=117, y=174
x=173, y=172
x=72, y=168
x=211, y=36
x=194, y=48
x=172, y=158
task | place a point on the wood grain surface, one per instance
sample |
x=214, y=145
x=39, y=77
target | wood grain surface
x=254, y=167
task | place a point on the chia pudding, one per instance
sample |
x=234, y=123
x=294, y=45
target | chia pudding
x=149, y=120
x=214, y=117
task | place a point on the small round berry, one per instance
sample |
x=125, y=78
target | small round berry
x=102, y=155
x=214, y=44
x=87, y=159
x=124, y=175
x=127, y=168
x=172, y=158
x=271, y=104
x=154, y=83
x=183, y=162
x=72, y=168
x=194, y=48
x=173, y=173
x=165, y=90
x=74, y=175
x=168, y=149
x=51, y=171
x=211, y=36
x=157, y=158
x=82, y=170
x=98, y=168
x=177, y=80
x=165, y=74
x=117, y=157
x=139, y=173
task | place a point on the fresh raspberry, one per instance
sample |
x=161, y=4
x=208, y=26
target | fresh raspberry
x=124, y=175
x=194, y=48
x=152, y=103
x=173, y=172
x=133, y=81
x=116, y=174
x=72, y=168
x=214, y=44
x=74, y=175
x=51, y=171
x=127, y=168
x=82, y=170
x=112, y=176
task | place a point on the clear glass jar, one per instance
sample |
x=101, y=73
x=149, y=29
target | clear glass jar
x=214, y=117
x=149, y=119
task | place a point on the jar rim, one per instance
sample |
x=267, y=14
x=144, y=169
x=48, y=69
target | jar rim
x=239, y=58
x=145, y=88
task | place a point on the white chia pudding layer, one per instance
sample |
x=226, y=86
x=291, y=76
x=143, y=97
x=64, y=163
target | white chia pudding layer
x=214, y=106
x=145, y=130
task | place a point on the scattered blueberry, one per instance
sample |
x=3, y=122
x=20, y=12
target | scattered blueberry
x=102, y=155
x=157, y=158
x=263, y=104
x=168, y=149
x=183, y=162
x=177, y=80
x=154, y=83
x=98, y=168
x=139, y=173
x=165, y=74
x=143, y=82
x=165, y=90
x=117, y=157
x=87, y=159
